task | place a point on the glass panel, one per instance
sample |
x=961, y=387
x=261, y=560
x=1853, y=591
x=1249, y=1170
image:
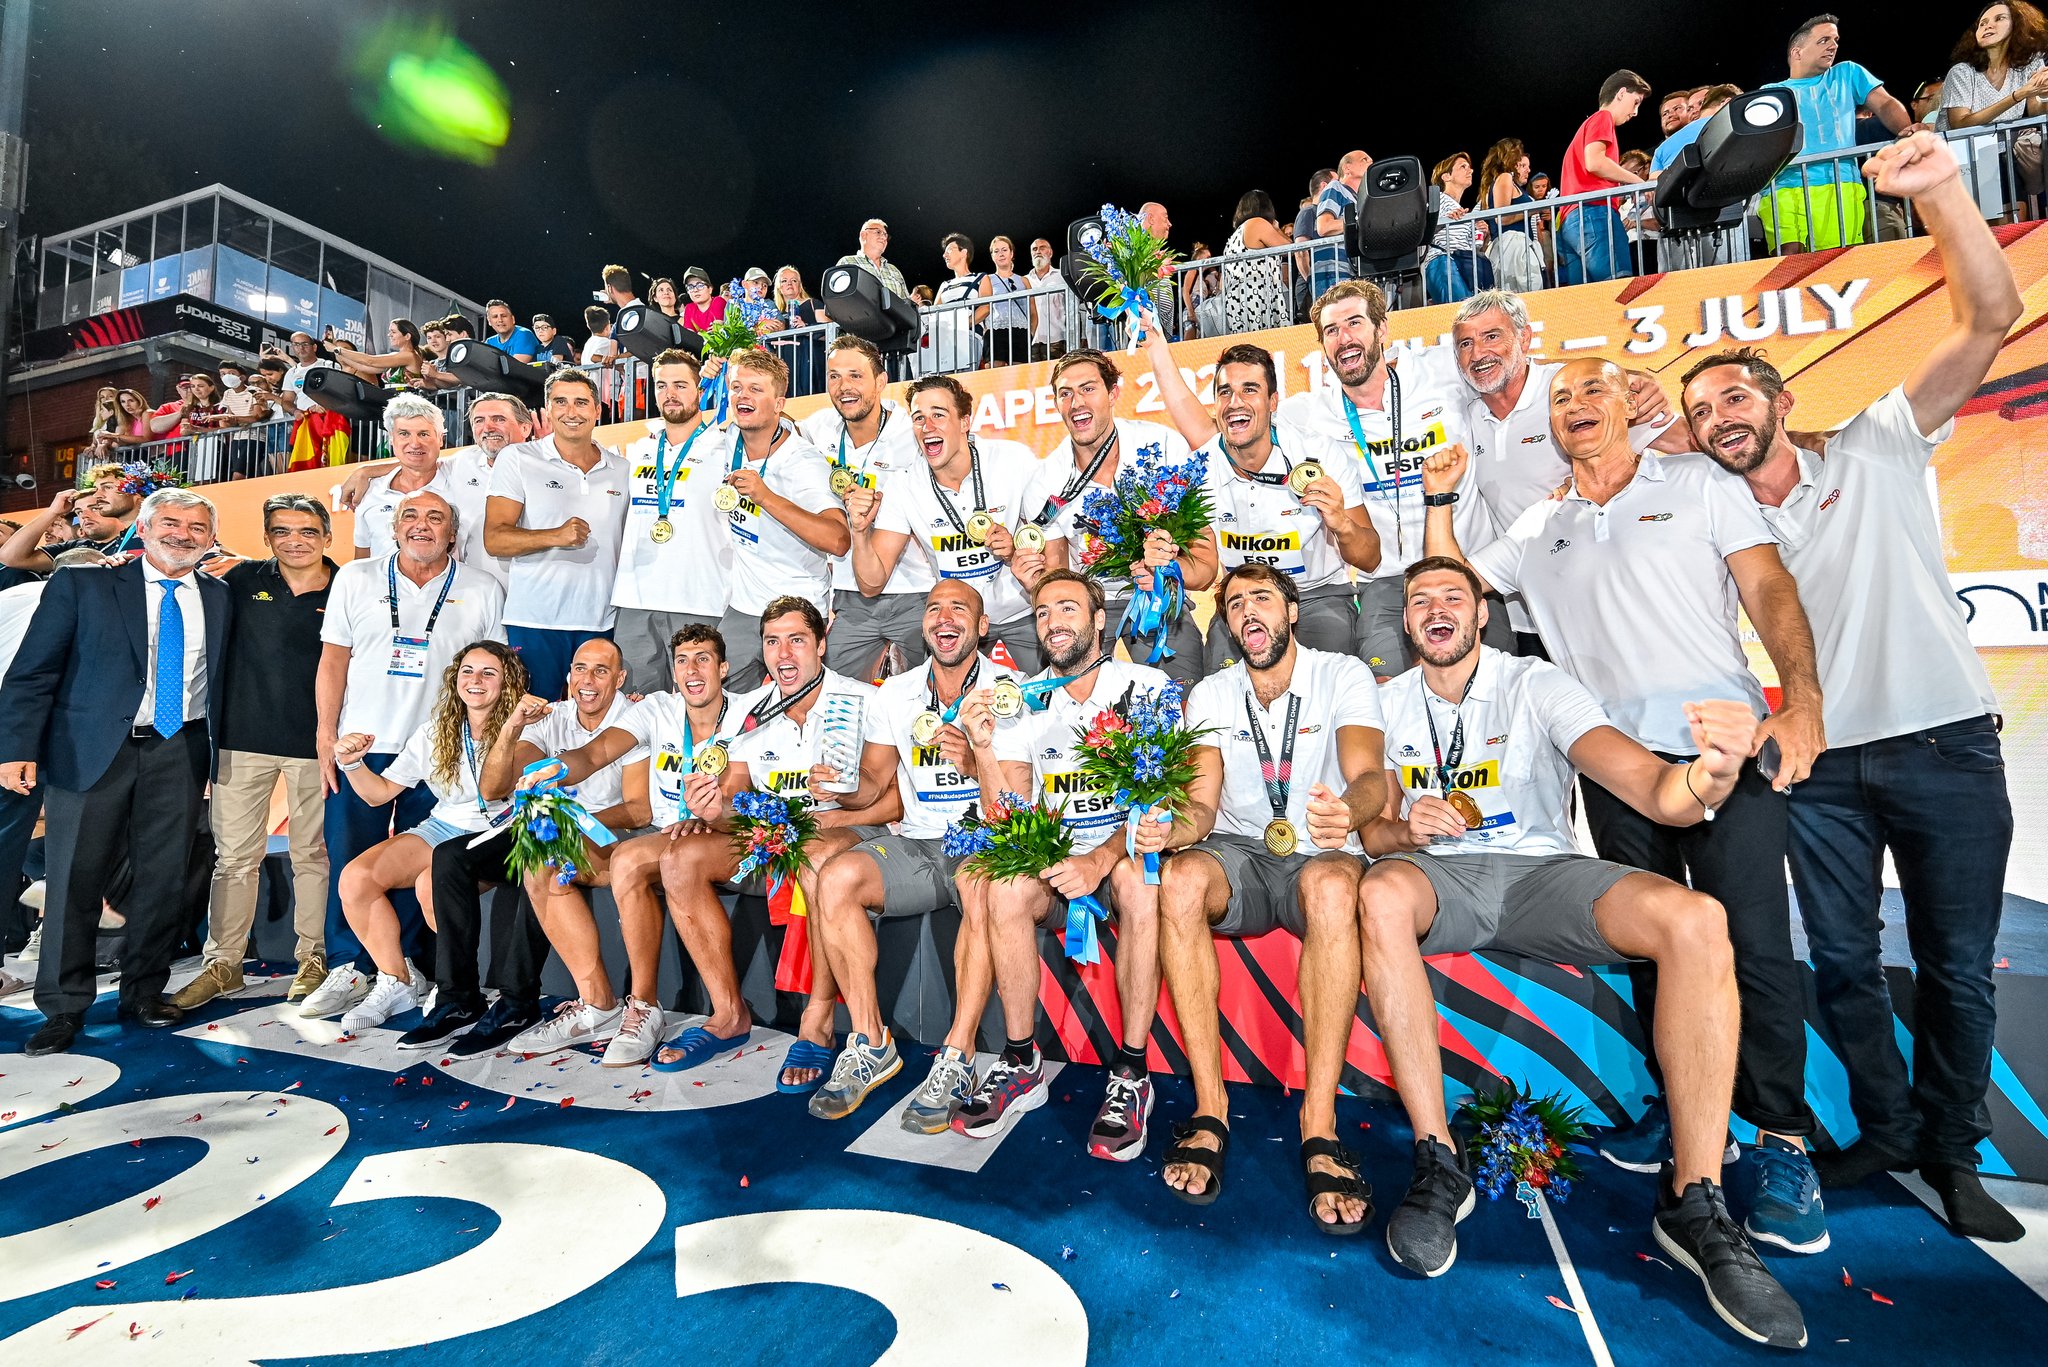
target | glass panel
x=107, y=260
x=247, y=231
x=344, y=274
x=199, y=222
x=294, y=269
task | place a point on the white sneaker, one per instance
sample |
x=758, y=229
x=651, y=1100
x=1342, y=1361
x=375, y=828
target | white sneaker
x=343, y=988
x=572, y=1024
x=640, y=1030
x=33, y=950
x=34, y=897
x=423, y=989
x=390, y=997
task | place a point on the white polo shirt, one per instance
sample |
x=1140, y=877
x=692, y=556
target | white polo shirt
x=467, y=477
x=768, y=559
x=660, y=722
x=893, y=450
x=1860, y=535
x=562, y=729
x=457, y=800
x=1058, y=471
x=380, y=504
x=391, y=676
x=1520, y=720
x=1432, y=417
x=1335, y=691
x=1053, y=740
x=911, y=506
x=780, y=755
x=935, y=794
x=1635, y=599
x=691, y=571
x=1267, y=523
x=563, y=588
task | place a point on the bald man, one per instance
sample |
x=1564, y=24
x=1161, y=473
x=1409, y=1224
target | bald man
x=1634, y=574
x=1327, y=260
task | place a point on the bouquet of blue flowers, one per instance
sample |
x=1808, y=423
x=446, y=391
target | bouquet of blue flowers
x=1151, y=493
x=1012, y=837
x=1143, y=752
x=770, y=833
x=551, y=830
x=1525, y=1141
x=1124, y=264
x=143, y=478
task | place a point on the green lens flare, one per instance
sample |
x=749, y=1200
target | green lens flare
x=424, y=89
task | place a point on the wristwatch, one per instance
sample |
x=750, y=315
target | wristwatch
x=1440, y=500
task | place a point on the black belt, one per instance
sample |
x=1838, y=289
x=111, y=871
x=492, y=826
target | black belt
x=151, y=733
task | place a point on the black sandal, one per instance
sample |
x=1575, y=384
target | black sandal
x=1322, y=1184
x=1210, y=1160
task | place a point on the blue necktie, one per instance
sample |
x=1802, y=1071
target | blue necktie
x=170, y=663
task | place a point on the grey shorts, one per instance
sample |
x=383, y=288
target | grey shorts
x=1328, y=621
x=862, y=628
x=917, y=875
x=1185, y=666
x=1020, y=638
x=1264, y=887
x=1540, y=906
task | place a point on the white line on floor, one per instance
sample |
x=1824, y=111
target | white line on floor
x=2027, y=1259
x=1595, y=1340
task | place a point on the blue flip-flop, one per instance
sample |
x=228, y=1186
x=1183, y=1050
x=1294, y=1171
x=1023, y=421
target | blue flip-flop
x=694, y=1046
x=804, y=1054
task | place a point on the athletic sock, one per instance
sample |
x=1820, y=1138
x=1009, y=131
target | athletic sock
x=1019, y=1051
x=1130, y=1062
x=1971, y=1210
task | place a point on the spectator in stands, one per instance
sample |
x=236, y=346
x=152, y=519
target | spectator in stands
x=805, y=354
x=618, y=287
x=1200, y=288
x=1709, y=104
x=1453, y=268
x=1328, y=263
x=1591, y=243
x=555, y=349
x=601, y=354
x=874, y=241
x=756, y=303
x=706, y=305
x=1823, y=204
x=923, y=295
x=1672, y=111
x=1153, y=215
x=305, y=356
x=457, y=327
x=1638, y=215
x=405, y=364
x=1005, y=325
x=245, y=403
x=1048, y=311
x=1305, y=231
x=662, y=294
x=1255, y=292
x=953, y=343
x=414, y=427
x=2000, y=75
x=1517, y=261
x=506, y=335
x=105, y=518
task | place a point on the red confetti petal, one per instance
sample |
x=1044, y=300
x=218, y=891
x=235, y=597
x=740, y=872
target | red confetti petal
x=74, y=1082
x=330, y=1131
x=214, y=1026
x=6, y=1116
x=1845, y=1278
x=83, y=1327
x=295, y=1086
x=427, y=1081
x=1562, y=1305
x=173, y=1278
x=189, y=1119
x=135, y=1329
x=1881, y=1300
x=2003, y=963
x=399, y=1081
x=103, y=1286
x=133, y=1143
x=47, y=1147
x=463, y=1107
x=508, y=1103
x=567, y=1102
x=152, y=1203
x=743, y=1179
x=446, y=1061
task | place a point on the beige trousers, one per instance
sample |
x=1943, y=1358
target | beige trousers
x=241, y=836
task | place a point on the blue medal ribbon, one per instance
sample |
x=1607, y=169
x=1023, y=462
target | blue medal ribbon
x=1038, y=693
x=713, y=394
x=1153, y=613
x=1082, y=945
x=665, y=475
x=547, y=800
x=1393, y=411
x=1138, y=814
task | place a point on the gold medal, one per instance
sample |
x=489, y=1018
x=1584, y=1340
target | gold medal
x=924, y=727
x=663, y=531
x=1303, y=475
x=713, y=759
x=726, y=499
x=1030, y=537
x=1462, y=803
x=979, y=526
x=1006, y=699
x=1281, y=837
x=843, y=480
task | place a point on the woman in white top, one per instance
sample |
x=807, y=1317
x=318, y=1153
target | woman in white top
x=1999, y=76
x=1453, y=268
x=954, y=344
x=1255, y=294
x=1007, y=325
x=478, y=692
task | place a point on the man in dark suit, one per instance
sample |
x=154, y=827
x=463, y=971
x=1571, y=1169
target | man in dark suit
x=112, y=702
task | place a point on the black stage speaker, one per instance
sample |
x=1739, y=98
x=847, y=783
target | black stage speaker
x=645, y=331
x=1385, y=230
x=352, y=396
x=482, y=366
x=1080, y=233
x=1745, y=144
x=859, y=304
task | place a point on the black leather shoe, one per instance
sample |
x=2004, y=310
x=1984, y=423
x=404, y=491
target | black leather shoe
x=156, y=1014
x=56, y=1035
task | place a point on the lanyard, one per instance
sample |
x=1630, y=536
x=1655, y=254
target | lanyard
x=840, y=459
x=946, y=503
x=1078, y=483
x=1449, y=756
x=1278, y=778
x=1038, y=693
x=122, y=544
x=931, y=679
x=739, y=452
x=1260, y=476
x=768, y=709
x=1393, y=411
x=690, y=736
x=391, y=599
x=665, y=475
x=475, y=766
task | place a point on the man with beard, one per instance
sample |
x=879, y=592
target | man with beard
x=675, y=560
x=1913, y=765
x=945, y=754
x=1292, y=759
x=1282, y=496
x=414, y=426
x=960, y=510
x=1085, y=386
x=1388, y=413
x=1079, y=683
x=867, y=438
x=113, y=698
x=105, y=514
x=1474, y=851
x=784, y=523
x=1634, y=575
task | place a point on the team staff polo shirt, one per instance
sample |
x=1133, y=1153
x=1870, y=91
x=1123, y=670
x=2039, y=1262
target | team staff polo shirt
x=390, y=682
x=910, y=506
x=659, y=722
x=563, y=588
x=275, y=635
x=1053, y=739
x=1432, y=417
x=1058, y=471
x=691, y=571
x=380, y=504
x=467, y=474
x=780, y=755
x=1267, y=524
x=769, y=560
x=457, y=800
x=1335, y=691
x=562, y=729
x=1519, y=720
x=894, y=450
x=1859, y=534
x=1635, y=599
x=935, y=794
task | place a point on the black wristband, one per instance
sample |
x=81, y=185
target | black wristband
x=1440, y=500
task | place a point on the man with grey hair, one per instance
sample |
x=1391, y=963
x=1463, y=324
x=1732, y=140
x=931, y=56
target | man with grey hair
x=874, y=241
x=267, y=729
x=112, y=702
x=1327, y=263
x=414, y=427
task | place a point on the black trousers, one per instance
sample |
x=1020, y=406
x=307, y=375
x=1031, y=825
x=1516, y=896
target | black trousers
x=145, y=808
x=519, y=948
x=1738, y=858
x=18, y=813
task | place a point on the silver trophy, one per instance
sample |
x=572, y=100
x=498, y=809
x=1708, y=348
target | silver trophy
x=841, y=738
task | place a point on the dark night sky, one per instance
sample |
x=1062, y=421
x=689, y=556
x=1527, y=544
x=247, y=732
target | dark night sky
x=666, y=134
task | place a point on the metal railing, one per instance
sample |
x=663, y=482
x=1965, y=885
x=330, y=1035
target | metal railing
x=246, y=452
